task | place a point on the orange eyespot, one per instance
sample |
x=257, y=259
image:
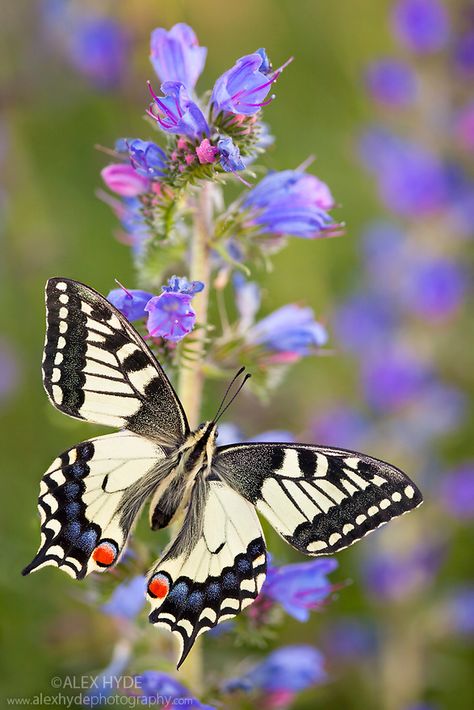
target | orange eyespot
x=105, y=554
x=158, y=586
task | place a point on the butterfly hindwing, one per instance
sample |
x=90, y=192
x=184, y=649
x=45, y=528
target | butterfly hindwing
x=97, y=367
x=90, y=498
x=213, y=569
x=320, y=500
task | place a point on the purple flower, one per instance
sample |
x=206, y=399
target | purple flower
x=464, y=53
x=177, y=56
x=155, y=684
x=206, y=152
x=229, y=155
x=412, y=180
x=393, y=378
x=124, y=180
x=340, y=426
x=9, y=369
x=365, y=320
x=98, y=48
x=458, y=611
x=421, y=25
x=391, y=82
x=456, y=492
x=464, y=127
x=147, y=158
x=128, y=599
x=348, y=639
x=390, y=577
x=434, y=288
x=290, y=202
x=290, y=330
x=300, y=587
x=290, y=668
x=244, y=88
x=130, y=302
x=176, y=113
x=170, y=315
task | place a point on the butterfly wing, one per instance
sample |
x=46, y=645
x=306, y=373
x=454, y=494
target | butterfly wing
x=318, y=499
x=213, y=569
x=90, y=498
x=97, y=367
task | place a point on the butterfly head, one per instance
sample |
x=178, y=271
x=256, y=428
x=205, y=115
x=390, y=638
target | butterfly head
x=200, y=446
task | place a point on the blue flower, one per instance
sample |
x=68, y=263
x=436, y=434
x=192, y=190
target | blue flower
x=290, y=202
x=155, y=684
x=176, y=55
x=458, y=611
x=394, y=378
x=391, y=82
x=170, y=315
x=412, y=180
x=349, y=639
x=98, y=48
x=364, y=321
x=290, y=330
x=128, y=599
x=229, y=155
x=148, y=159
x=341, y=426
x=464, y=53
x=434, y=288
x=290, y=668
x=300, y=587
x=130, y=302
x=456, y=492
x=243, y=89
x=176, y=112
x=422, y=25
x=10, y=365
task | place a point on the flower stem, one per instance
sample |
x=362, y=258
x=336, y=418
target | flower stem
x=191, y=376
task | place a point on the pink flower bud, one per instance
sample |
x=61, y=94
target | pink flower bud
x=206, y=152
x=124, y=180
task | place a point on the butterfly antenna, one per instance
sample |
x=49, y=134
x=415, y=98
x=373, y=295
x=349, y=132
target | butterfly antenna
x=222, y=411
x=242, y=369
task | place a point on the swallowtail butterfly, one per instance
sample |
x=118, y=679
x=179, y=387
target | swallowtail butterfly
x=96, y=367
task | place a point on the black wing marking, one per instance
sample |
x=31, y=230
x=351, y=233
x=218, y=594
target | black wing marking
x=97, y=367
x=320, y=500
x=90, y=498
x=214, y=569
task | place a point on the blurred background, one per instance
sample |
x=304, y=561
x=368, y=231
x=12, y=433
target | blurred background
x=384, y=102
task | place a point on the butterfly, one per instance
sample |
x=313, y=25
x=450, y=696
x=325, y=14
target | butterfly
x=97, y=368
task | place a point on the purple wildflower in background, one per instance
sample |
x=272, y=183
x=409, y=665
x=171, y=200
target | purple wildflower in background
x=128, y=599
x=412, y=180
x=291, y=331
x=421, y=25
x=340, y=426
x=348, y=639
x=175, y=112
x=147, y=158
x=456, y=492
x=464, y=53
x=390, y=577
x=229, y=155
x=124, y=180
x=289, y=669
x=299, y=587
x=9, y=369
x=170, y=315
x=130, y=302
x=365, y=320
x=155, y=684
x=391, y=82
x=98, y=49
x=458, y=611
x=290, y=202
x=393, y=378
x=434, y=288
x=244, y=88
x=464, y=127
x=176, y=55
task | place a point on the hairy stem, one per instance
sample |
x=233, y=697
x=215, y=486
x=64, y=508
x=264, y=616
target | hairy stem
x=191, y=377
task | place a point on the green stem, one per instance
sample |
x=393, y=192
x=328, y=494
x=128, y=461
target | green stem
x=191, y=375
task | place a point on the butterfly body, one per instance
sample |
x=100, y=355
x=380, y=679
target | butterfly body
x=97, y=368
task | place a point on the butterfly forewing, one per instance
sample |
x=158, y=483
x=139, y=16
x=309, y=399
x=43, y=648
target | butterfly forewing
x=90, y=498
x=97, y=367
x=320, y=500
x=214, y=569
